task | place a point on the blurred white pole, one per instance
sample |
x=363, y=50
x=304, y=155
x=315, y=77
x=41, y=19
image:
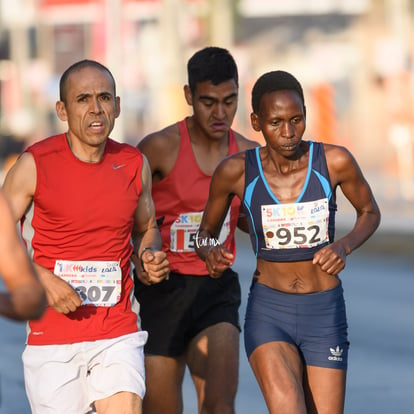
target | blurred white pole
x=114, y=56
x=401, y=137
x=17, y=16
x=171, y=53
x=221, y=23
x=399, y=14
x=169, y=92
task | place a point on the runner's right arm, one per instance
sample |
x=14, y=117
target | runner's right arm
x=25, y=297
x=19, y=186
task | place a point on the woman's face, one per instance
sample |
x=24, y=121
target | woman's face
x=281, y=120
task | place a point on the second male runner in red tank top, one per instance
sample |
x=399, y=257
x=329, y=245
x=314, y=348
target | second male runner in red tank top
x=192, y=319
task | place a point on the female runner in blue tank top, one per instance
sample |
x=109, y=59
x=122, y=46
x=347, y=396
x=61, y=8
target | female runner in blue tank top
x=295, y=326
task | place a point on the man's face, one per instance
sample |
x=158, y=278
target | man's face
x=90, y=108
x=214, y=107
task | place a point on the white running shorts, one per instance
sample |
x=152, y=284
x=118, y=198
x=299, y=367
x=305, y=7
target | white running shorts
x=67, y=379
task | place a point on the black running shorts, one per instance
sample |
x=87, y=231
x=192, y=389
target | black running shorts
x=176, y=310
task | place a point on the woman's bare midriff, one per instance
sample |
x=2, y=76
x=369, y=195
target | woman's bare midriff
x=294, y=277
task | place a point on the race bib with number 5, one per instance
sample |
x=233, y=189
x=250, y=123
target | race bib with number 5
x=97, y=283
x=184, y=230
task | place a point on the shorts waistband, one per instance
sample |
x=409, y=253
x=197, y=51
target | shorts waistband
x=320, y=298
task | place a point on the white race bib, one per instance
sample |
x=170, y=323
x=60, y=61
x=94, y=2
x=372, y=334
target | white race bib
x=184, y=230
x=296, y=225
x=97, y=282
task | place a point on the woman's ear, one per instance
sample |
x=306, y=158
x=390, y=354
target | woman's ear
x=254, y=120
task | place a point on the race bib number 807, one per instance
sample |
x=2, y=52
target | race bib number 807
x=295, y=225
x=97, y=283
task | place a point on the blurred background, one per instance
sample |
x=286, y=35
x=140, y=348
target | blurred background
x=353, y=57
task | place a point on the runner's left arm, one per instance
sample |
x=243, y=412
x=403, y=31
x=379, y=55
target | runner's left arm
x=226, y=183
x=150, y=261
x=345, y=172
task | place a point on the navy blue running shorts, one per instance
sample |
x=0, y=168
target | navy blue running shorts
x=315, y=323
x=176, y=310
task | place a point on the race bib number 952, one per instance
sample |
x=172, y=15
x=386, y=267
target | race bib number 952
x=295, y=225
x=97, y=283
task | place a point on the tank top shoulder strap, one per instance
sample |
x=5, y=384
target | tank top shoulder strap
x=184, y=135
x=319, y=159
x=252, y=173
x=320, y=167
x=233, y=147
x=186, y=155
x=251, y=162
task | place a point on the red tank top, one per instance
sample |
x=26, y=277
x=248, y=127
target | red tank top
x=179, y=202
x=84, y=212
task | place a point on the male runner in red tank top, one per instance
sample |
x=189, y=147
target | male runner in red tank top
x=81, y=196
x=192, y=319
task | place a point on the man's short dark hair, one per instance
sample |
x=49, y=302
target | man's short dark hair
x=78, y=66
x=274, y=81
x=212, y=64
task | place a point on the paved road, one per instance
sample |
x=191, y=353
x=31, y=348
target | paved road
x=379, y=289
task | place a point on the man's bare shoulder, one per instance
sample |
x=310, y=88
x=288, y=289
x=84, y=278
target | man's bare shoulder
x=162, y=140
x=161, y=149
x=244, y=143
x=23, y=171
x=233, y=165
x=229, y=174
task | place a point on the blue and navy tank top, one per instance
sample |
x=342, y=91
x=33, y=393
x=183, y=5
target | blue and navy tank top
x=288, y=232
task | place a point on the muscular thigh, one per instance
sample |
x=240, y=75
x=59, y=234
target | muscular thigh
x=214, y=348
x=163, y=373
x=164, y=377
x=119, y=403
x=278, y=369
x=213, y=358
x=325, y=390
